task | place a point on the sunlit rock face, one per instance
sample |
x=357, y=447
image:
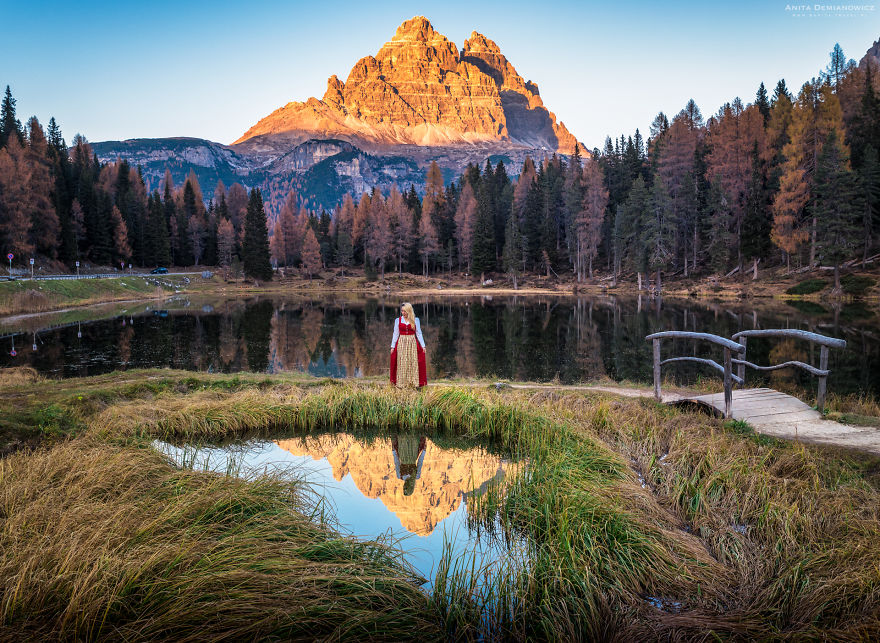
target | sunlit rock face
x=419, y=89
x=446, y=475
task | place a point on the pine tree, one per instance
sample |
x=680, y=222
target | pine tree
x=870, y=185
x=762, y=102
x=659, y=232
x=9, y=124
x=255, y=245
x=756, y=218
x=836, y=205
x=590, y=218
x=512, y=255
x=483, y=232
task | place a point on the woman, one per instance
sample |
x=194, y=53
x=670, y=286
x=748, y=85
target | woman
x=408, y=350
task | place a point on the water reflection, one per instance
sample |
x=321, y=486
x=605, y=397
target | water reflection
x=409, y=486
x=523, y=338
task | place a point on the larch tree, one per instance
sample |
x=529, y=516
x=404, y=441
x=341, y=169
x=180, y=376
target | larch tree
x=590, y=218
x=343, y=224
x=400, y=220
x=15, y=220
x=311, y=254
x=465, y=216
x=428, y=244
x=120, y=236
x=225, y=242
x=733, y=134
x=45, y=228
x=377, y=235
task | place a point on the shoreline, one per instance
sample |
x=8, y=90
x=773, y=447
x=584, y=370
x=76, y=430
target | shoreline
x=115, y=290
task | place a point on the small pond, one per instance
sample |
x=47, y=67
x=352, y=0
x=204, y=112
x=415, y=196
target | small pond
x=413, y=488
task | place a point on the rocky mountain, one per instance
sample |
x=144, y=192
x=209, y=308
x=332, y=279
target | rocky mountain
x=447, y=476
x=873, y=55
x=421, y=90
x=420, y=99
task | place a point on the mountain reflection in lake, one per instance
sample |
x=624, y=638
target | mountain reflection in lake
x=405, y=486
x=532, y=338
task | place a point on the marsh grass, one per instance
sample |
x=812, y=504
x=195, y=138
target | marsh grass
x=640, y=520
x=102, y=542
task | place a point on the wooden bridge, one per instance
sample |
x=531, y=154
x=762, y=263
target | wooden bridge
x=765, y=409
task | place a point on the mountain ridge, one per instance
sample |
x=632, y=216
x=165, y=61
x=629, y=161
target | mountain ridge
x=420, y=89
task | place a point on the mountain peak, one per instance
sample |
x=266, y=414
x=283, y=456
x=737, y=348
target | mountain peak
x=419, y=89
x=416, y=28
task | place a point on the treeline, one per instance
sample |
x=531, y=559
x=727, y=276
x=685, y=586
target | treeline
x=782, y=180
x=65, y=204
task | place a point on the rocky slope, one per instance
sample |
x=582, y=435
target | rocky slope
x=447, y=475
x=419, y=99
x=419, y=89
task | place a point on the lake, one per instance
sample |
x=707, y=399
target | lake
x=416, y=490
x=527, y=338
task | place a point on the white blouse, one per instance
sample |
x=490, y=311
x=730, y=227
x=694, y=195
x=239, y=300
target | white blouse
x=396, y=335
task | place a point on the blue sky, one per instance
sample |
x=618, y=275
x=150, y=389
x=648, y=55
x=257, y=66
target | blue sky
x=115, y=70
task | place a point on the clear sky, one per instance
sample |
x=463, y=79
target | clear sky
x=116, y=70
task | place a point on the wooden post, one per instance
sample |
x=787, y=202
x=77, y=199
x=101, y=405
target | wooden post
x=741, y=370
x=728, y=393
x=657, y=370
x=823, y=379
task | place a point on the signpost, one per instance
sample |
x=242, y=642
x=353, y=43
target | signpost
x=32, y=267
x=77, y=268
x=10, y=256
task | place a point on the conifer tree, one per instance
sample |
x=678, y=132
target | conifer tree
x=255, y=245
x=483, y=234
x=311, y=254
x=9, y=124
x=512, y=255
x=756, y=218
x=836, y=207
x=762, y=102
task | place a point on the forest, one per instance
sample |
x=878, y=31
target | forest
x=787, y=180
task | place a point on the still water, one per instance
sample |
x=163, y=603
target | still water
x=533, y=338
x=407, y=487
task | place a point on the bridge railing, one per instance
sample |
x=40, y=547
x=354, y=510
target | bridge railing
x=726, y=370
x=821, y=372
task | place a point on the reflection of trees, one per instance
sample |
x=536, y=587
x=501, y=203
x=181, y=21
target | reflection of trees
x=525, y=338
x=256, y=328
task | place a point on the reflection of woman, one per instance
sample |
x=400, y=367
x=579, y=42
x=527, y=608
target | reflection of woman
x=409, y=453
x=408, y=350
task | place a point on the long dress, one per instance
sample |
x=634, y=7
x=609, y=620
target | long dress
x=408, y=355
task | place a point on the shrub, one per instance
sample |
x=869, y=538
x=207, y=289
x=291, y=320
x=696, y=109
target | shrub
x=807, y=287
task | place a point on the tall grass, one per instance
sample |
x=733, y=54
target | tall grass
x=102, y=542
x=638, y=520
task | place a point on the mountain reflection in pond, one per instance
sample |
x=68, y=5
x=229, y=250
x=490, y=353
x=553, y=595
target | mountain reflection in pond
x=407, y=486
x=533, y=338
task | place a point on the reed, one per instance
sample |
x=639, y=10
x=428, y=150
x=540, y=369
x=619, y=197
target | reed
x=101, y=542
x=630, y=519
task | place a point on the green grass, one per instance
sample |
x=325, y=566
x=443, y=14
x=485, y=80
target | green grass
x=24, y=296
x=807, y=287
x=624, y=506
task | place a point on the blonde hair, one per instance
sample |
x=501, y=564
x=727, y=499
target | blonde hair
x=409, y=314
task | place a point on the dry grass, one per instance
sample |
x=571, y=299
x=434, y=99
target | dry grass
x=642, y=521
x=102, y=542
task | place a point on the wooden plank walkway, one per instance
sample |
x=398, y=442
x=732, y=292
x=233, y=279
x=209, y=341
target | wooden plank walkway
x=767, y=411
x=783, y=416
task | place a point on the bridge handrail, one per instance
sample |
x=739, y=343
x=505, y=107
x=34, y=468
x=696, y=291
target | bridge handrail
x=726, y=370
x=708, y=337
x=821, y=372
x=816, y=338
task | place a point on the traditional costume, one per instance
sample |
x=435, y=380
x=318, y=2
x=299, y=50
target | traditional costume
x=408, y=355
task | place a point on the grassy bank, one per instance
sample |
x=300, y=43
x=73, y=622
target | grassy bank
x=643, y=521
x=24, y=296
